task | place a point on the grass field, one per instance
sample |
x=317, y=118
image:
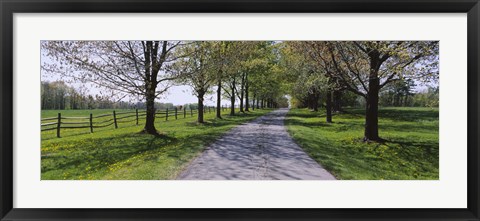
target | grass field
x=411, y=151
x=125, y=154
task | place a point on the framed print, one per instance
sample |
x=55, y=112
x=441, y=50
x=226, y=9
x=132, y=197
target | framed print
x=239, y=110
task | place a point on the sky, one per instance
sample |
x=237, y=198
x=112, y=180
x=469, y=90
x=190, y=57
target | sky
x=179, y=95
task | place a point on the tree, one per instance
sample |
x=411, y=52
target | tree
x=366, y=67
x=232, y=71
x=426, y=98
x=135, y=68
x=56, y=95
x=259, y=61
x=397, y=93
x=198, y=70
x=225, y=54
x=241, y=91
x=308, y=76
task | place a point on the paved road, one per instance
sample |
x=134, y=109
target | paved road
x=259, y=150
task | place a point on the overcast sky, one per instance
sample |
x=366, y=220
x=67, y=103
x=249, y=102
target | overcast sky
x=179, y=95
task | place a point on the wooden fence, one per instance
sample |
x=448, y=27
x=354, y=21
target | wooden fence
x=106, y=120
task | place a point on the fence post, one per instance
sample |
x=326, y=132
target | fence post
x=136, y=112
x=91, y=123
x=209, y=110
x=191, y=112
x=166, y=115
x=115, y=119
x=175, y=113
x=184, y=112
x=58, y=124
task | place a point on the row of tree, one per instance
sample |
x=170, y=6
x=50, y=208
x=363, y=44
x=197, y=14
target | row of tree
x=401, y=94
x=337, y=69
x=241, y=71
x=58, y=95
x=394, y=95
x=236, y=70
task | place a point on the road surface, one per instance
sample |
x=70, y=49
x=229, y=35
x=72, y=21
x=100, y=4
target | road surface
x=261, y=149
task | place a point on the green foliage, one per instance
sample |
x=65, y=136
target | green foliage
x=411, y=151
x=397, y=93
x=198, y=69
x=427, y=98
x=401, y=93
x=303, y=76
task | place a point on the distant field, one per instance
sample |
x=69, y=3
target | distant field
x=124, y=153
x=410, y=153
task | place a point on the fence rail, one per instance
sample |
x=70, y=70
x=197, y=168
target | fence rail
x=102, y=120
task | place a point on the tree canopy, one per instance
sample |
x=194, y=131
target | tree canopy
x=253, y=74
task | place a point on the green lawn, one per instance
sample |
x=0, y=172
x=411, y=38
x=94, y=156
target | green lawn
x=125, y=154
x=411, y=151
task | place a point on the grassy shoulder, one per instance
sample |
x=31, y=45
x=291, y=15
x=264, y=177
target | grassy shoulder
x=410, y=153
x=125, y=154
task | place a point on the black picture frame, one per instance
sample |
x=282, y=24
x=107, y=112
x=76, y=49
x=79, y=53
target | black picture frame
x=9, y=7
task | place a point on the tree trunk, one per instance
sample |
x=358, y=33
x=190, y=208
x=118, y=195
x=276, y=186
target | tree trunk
x=242, y=92
x=200, y=108
x=246, y=93
x=241, y=102
x=328, y=106
x=315, y=98
x=150, y=87
x=371, y=115
x=232, y=99
x=232, y=107
x=150, y=115
x=253, y=102
x=337, y=98
x=219, y=99
x=309, y=101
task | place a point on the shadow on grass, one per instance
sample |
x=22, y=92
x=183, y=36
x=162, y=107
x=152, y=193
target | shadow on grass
x=226, y=120
x=297, y=122
x=409, y=127
x=99, y=152
x=409, y=115
x=410, y=150
x=210, y=123
x=397, y=114
x=423, y=147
